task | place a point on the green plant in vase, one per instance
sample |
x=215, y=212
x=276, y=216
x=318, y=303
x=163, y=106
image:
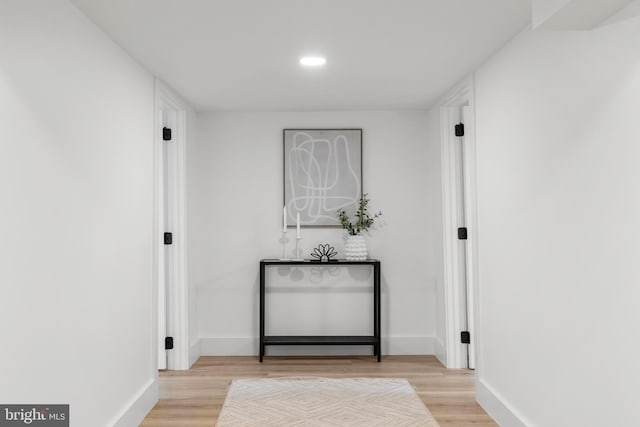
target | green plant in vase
x=355, y=247
x=362, y=220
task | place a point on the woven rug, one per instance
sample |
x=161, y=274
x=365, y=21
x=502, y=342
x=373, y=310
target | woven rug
x=318, y=402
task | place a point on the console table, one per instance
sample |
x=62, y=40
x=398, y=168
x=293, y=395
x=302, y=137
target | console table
x=372, y=340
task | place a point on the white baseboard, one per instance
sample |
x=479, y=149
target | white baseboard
x=248, y=346
x=229, y=346
x=439, y=351
x=497, y=407
x=194, y=352
x=139, y=406
x=408, y=345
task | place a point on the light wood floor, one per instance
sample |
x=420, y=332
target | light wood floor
x=195, y=397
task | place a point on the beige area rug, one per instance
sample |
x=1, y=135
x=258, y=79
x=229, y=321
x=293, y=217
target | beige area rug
x=323, y=402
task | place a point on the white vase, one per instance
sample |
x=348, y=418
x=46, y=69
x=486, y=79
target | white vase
x=355, y=248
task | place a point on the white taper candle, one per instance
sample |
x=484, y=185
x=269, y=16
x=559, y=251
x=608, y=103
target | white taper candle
x=284, y=219
x=297, y=225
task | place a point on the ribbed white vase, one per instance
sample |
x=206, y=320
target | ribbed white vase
x=355, y=248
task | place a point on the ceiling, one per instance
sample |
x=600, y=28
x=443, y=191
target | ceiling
x=242, y=55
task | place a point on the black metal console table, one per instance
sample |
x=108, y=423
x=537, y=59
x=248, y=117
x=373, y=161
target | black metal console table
x=373, y=340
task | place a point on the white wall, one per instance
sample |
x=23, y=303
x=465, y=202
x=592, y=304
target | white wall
x=558, y=126
x=76, y=181
x=434, y=247
x=194, y=340
x=235, y=208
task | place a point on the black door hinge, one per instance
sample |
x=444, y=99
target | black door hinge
x=460, y=129
x=462, y=233
x=168, y=343
x=465, y=337
x=168, y=238
x=166, y=134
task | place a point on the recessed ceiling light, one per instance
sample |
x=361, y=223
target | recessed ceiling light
x=313, y=61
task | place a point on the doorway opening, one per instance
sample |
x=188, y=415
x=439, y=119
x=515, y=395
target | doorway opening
x=460, y=226
x=171, y=340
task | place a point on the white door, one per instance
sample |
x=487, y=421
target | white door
x=465, y=293
x=166, y=274
x=171, y=293
x=469, y=283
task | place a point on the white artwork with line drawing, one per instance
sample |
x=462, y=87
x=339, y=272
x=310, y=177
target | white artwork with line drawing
x=322, y=173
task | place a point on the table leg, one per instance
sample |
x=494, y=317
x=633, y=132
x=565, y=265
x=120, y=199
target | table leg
x=262, y=297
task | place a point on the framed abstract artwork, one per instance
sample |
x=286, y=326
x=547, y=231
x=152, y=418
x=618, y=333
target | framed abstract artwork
x=322, y=173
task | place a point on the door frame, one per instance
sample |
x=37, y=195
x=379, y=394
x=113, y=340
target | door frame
x=462, y=95
x=178, y=295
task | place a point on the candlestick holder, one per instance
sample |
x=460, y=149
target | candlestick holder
x=284, y=245
x=297, y=257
